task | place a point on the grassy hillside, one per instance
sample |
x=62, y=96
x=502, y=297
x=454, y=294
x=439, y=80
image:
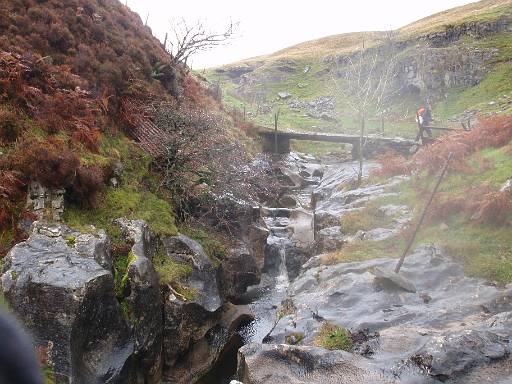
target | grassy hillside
x=460, y=43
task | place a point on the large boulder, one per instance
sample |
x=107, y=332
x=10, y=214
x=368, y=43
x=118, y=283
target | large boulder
x=237, y=272
x=66, y=300
x=203, y=279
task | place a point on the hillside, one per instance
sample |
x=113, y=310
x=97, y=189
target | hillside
x=458, y=60
x=87, y=96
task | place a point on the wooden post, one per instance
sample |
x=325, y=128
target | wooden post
x=276, y=119
x=361, y=138
x=423, y=214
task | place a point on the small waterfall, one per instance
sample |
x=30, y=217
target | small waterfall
x=282, y=279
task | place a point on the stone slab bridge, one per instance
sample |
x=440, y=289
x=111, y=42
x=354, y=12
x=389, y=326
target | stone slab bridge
x=279, y=141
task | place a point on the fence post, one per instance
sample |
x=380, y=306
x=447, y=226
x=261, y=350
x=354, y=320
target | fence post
x=276, y=119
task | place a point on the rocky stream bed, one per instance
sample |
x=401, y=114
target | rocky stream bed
x=255, y=318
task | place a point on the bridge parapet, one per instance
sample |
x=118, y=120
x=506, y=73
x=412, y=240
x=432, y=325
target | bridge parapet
x=372, y=145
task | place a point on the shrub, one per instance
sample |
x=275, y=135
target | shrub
x=60, y=38
x=333, y=337
x=86, y=185
x=10, y=126
x=495, y=208
x=50, y=162
x=88, y=137
x=493, y=131
x=391, y=164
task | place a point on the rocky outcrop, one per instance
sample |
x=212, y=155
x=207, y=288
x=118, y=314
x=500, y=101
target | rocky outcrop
x=203, y=279
x=60, y=283
x=474, y=327
x=66, y=300
x=144, y=301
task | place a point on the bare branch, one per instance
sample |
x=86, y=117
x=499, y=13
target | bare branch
x=189, y=39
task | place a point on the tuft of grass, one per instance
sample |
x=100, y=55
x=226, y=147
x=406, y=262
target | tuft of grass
x=121, y=269
x=365, y=219
x=294, y=338
x=70, y=240
x=333, y=337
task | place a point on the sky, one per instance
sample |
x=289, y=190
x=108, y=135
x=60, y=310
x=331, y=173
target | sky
x=265, y=26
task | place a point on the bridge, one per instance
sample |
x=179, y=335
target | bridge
x=279, y=141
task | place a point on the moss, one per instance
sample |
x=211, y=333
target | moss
x=135, y=199
x=48, y=374
x=215, y=250
x=14, y=275
x=127, y=311
x=70, y=240
x=173, y=274
x=333, y=337
x=121, y=269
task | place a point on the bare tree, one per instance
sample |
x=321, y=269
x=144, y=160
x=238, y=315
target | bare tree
x=364, y=81
x=187, y=39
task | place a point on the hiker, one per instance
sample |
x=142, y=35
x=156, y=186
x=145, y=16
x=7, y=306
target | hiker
x=424, y=118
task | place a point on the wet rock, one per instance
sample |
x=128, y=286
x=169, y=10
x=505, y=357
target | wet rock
x=329, y=239
x=237, y=272
x=188, y=322
x=450, y=315
x=205, y=337
x=451, y=354
x=287, y=364
x=287, y=201
x=66, y=300
x=256, y=240
x=391, y=280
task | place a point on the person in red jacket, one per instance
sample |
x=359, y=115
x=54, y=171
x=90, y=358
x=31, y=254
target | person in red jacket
x=424, y=118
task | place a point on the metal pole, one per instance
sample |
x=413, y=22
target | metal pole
x=423, y=214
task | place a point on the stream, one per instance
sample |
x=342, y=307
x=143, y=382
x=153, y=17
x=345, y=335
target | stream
x=453, y=329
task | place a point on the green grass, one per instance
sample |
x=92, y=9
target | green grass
x=364, y=220
x=493, y=88
x=333, y=337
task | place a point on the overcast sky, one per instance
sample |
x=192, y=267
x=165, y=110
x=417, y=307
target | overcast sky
x=269, y=25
